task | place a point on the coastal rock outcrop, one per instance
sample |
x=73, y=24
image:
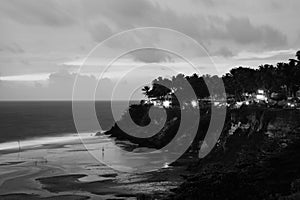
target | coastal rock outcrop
x=257, y=157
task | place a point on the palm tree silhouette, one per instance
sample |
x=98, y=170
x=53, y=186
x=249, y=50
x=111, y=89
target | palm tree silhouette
x=146, y=91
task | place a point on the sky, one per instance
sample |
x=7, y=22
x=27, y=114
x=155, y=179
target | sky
x=43, y=44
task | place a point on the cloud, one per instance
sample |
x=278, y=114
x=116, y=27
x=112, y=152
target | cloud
x=224, y=51
x=12, y=48
x=102, y=19
x=151, y=56
x=283, y=55
x=36, y=12
x=243, y=32
x=59, y=86
x=62, y=83
x=206, y=29
x=100, y=31
x=26, y=77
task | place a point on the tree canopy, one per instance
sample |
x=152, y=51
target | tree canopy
x=284, y=77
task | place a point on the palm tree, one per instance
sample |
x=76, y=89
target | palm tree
x=146, y=90
x=298, y=55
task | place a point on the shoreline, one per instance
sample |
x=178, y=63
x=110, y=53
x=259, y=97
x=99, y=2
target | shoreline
x=68, y=171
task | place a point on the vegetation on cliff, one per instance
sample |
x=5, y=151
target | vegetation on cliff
x=258, y=160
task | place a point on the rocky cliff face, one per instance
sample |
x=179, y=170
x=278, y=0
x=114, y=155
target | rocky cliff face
x=257, y=157
x=137, y=135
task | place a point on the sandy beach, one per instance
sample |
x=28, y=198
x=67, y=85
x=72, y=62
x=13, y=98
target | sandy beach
x=62, y=168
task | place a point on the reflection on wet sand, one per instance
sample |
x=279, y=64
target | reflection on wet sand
x=62, y=167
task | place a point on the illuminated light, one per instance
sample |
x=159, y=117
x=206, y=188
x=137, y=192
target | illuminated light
x=216, y=103
x=166, y=165
x=292, y=105
x=239, y=103
x=247, y=103
x=166, y=104
x=260, y=97
x=194, y=103
x=260, y=91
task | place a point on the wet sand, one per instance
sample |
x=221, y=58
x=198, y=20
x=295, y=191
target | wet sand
x=66, y=170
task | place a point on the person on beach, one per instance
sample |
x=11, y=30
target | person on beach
x=102, y=152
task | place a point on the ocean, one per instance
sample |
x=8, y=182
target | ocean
x=20, y=120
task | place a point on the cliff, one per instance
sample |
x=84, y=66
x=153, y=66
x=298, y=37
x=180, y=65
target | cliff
x=167, y=130
x=257, y=157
